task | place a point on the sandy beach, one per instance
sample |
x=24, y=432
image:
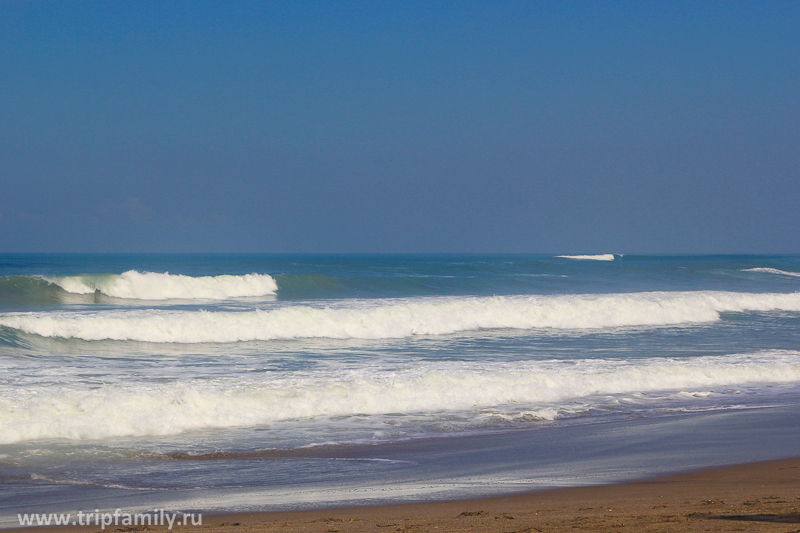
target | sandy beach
x=763, y=496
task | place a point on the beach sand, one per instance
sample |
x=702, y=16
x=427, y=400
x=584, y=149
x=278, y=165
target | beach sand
x=762, y=496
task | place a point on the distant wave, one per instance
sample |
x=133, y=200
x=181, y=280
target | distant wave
x=601, y=257
x=164, y=286
x=385, y=319
x=773, y=271
x=542, y=389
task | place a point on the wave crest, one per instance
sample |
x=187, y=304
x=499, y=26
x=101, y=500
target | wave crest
x=548, y=387
x=600, y=257
x=165, y=286
x=385, y=319
x=775, y=271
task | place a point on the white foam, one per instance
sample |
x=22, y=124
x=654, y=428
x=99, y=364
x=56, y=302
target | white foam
x=773, y=271
x=165, y=286
x=385, y=319
x=538, y=389
x=600, y=257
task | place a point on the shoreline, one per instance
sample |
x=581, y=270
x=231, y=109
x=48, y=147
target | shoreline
x=761, y=495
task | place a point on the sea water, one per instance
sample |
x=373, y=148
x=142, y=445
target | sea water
x=246, y=382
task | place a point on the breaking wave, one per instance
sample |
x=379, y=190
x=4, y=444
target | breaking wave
x=775, y=271
x=385, y=319
x=547, y=387
x=164, y=286
x=600, y=257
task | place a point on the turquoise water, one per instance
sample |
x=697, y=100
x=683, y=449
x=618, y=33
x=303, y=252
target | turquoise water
x=231, y=381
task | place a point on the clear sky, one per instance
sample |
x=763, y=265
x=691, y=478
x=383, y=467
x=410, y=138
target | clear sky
x=452, y=126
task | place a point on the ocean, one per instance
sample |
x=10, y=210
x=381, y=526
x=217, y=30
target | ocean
x=261, y=382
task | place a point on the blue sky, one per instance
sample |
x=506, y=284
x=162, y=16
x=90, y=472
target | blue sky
x=567, y=127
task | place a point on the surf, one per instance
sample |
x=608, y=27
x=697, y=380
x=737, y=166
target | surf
x=598, y=257
x=165, y=286
x=774, y=271
x=544, y=390
x=400, y=318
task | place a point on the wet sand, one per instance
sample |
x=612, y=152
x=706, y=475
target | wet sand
x=762, y=496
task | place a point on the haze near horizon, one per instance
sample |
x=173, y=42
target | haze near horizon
x=539, y=127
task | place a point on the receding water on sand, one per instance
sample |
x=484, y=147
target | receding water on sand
x=422, y=469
